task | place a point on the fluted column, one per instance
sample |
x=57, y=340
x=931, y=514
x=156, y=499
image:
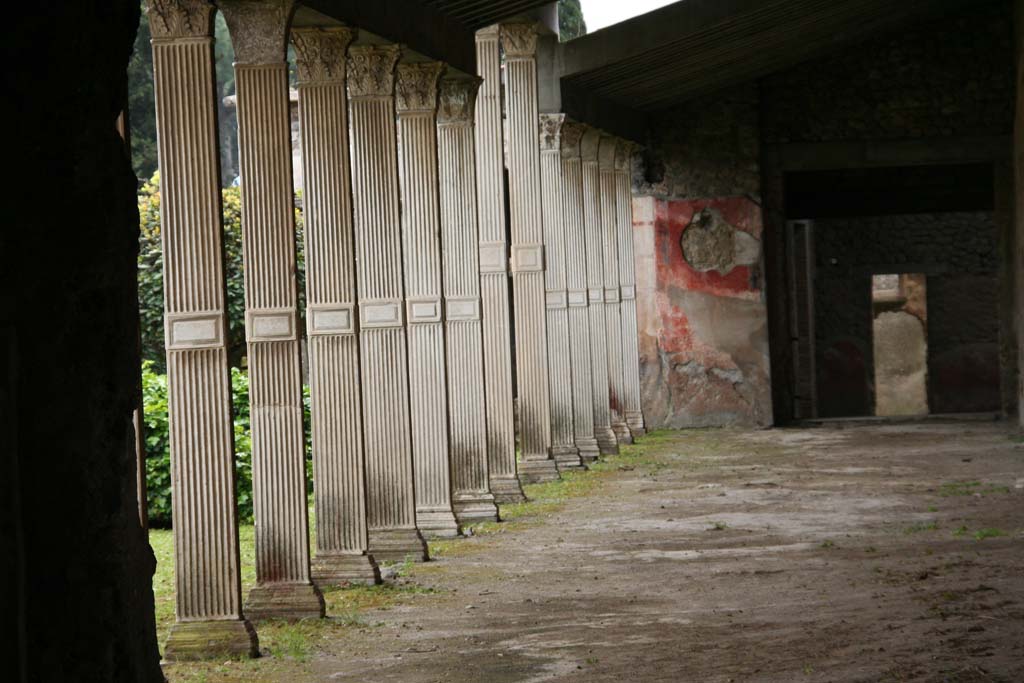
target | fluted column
x=494, y=295
x=563, y=447
x=592, y=206
x=519, y=42
x=208, y=598
x=576, y=293
x=283, y=586
x=339, y=473
x=416, y=104
x=613, y=320
x=391, y=504
x=627, y=285
x=471, y=495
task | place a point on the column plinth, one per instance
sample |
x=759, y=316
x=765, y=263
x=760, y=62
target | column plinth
x=576, y=293
x=391, y=502
x=612, y=293
x=519, y=42
x=208, y=600
x=416, y=104
x=284, y=588
x=472, y=499
x=606, y=438
x=339, y=496
x=563, y=445
x=631, y=408
x=493, y=264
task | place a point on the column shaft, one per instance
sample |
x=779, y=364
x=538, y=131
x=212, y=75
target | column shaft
x=490, y=186
x=592, y=207
x=416, y=103
x=576, y=293
x=471, y=496
x=338, y=466
x=283, y=586
x=613, y=320
x=208, y=600
x=627, y=285
x=563, y=447
x=391, y=506
x=527, y=228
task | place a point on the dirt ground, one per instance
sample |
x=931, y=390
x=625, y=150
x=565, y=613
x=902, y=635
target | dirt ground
x=850, y=552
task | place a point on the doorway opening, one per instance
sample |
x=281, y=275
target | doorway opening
x=899, y=308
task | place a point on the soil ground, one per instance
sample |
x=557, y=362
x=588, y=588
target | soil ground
x=847, y=552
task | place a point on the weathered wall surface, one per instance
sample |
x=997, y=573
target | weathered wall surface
x=702, y=318
x=958, y=254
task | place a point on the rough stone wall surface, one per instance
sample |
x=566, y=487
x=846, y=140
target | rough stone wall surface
x=703, y=327
x=951, y=77
x=83, y=609
x=958, y=254
x=705, y=148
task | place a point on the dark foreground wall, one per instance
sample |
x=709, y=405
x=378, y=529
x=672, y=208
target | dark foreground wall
x=75, y=568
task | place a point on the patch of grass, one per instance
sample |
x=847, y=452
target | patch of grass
x=918, y=527
x=970, y=488
x=982, y=534
x=828, y=544
x=718, y=526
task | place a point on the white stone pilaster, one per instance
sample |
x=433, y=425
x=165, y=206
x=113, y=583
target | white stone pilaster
x=472, y=500
x=283, y=586
x=563, y=446
x=592, y=208
x=416, y=104
x=494, y=294
x=612, y=293
x=519, y=42
x=627, y=286
x=576, y=293
x=338, y=463
x=207, y=582
x=391, y=505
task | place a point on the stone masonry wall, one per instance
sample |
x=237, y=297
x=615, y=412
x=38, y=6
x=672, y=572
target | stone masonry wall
x=958, y=254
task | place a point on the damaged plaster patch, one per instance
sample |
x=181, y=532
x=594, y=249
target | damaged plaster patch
x=709, y=242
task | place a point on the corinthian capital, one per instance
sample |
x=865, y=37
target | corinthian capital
x=416, y=86
x=589, y=143
x=371, y=70
x=519, y=40
x=550, y=131
x=457, y=102
x=624, y=154
x=606, y=153
x=258, y=28
x=571, y=135
x=320, y=53
x=170, y=19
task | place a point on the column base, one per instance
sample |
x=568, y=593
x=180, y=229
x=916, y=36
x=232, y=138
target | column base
x=340, y=568
x=606, y=440
x=474, y=507
x=622, y=433
x=397, y=545
x=538, y=471
x=437, y=523
x=507, y=490
x=290, y=601
x=635, y=420
x=566, y=457
x=589, y=451
x=191, y=641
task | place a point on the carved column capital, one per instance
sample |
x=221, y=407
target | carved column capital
x=519, y=40
x=572, y=133
x=170, y=19
x=416, y=86
x=371, y=70
x=624, y=154
x=488, y=32
x=589, y=144
x=550, y=131
x=320, y=53
x=606, y=153
x=259, y=29
x=457, y=100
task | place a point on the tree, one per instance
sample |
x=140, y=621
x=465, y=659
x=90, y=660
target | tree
x=570, y=20
x=141, y=105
